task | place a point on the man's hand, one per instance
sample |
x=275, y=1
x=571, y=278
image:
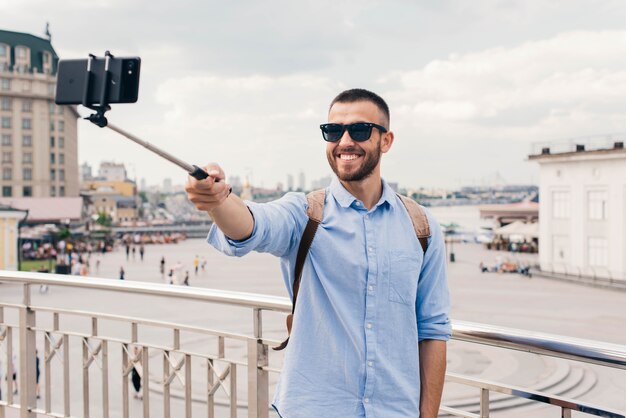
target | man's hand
x=209, y=193
x=213, y=195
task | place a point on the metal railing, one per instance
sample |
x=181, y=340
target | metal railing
x=221, y=354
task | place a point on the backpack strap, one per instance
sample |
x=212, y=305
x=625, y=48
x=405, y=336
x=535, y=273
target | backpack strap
x=315, y=212
x=419, y=220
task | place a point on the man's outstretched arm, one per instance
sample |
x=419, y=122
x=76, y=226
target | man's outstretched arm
x=228, y=211
x=432, y=375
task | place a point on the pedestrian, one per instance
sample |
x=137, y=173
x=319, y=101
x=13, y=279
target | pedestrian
x=134, y=250
x=170, y=274
x=13, y=375
x=196, y=264
x=122, y=273
x=98, y=265
x=37, y=373
x=162, y=266
x=141, y=251
x=359, y=308
x=135, y=374
x=186, y=281
x=203, y=265
x=127, y=251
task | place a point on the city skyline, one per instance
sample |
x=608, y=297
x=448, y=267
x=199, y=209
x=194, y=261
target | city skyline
x=470, y=86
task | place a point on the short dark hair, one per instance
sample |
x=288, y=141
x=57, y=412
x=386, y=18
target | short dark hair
x=357, y=95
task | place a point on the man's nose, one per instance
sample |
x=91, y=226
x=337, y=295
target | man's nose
x=346, y=138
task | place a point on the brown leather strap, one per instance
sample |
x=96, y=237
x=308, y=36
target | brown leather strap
x=315, y=212
x=419, y=220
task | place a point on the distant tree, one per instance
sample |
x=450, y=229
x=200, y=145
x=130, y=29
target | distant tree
x=104, y=219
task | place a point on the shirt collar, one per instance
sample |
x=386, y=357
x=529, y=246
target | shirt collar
x=345, y=198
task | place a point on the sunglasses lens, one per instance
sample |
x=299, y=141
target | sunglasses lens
x=360, y=131
x=332, y=132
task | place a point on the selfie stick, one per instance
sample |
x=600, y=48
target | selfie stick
x=100, y=120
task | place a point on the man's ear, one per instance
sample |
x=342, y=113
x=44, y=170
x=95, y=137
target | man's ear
x=386, y=141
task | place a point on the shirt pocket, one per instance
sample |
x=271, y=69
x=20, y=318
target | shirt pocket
x=403, y=276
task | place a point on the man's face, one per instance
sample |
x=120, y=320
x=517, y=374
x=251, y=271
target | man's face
x=351, y=160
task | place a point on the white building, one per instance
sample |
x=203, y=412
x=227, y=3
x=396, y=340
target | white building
x=583, y=209
x=110, y=171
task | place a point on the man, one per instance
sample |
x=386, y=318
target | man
x=370, y=325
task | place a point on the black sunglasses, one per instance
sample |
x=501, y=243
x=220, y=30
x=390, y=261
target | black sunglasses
x=359, y=131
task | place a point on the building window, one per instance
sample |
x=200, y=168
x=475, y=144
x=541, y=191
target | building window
x=27, y=141
x=560, y=205
x=51, y=126
x=61, y=126
x=51, y=108
x=6, y=103
x=61, y=158
x=6, y=139
x=5, y=84
x=21, y=52
x=62, y=191
x=47, y=62
x=7, y=157
x=61, y=142
x=597, y=204
x=27, y=105
x=4, y=51
x=7, y=173
x=26, y=123
x=6, y=122
x=27, y=173
x=52, y=158
x=27, y=191
x=598, y=252
x=7, y=191
x=61, y=110
x=53, y=174
x=62, y=175
x=51, y=89
x=53, y=191
x=27, y=158
x=51, y=142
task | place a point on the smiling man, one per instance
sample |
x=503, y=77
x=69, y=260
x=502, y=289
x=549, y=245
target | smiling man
x=371, y=323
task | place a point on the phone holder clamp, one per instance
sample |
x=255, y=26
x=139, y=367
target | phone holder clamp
x=98, y=118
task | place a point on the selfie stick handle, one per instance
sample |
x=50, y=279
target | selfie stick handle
x=193, y=170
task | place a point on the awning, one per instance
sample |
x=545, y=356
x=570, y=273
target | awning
x=519, y=228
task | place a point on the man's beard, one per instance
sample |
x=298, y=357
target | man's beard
x=365, y=170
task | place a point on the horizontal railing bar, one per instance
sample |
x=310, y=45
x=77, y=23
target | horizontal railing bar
x=11, y=305
x=534, y=396
x=270, y=369
x=139, y=343
x=51, y=414
x=141, y=321
x=458, y=412
x=588, y=351
x=250, y=300
x=593, y=352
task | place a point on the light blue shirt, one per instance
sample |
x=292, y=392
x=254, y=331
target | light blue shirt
x=368, y=294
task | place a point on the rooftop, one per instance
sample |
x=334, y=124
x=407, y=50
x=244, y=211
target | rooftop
x=36, y=45
x=47, y=209
x=588, y=145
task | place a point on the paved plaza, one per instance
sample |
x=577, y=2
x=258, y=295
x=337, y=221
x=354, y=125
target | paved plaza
x=509, y=300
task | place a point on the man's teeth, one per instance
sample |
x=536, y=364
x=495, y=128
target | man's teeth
x=348, y=157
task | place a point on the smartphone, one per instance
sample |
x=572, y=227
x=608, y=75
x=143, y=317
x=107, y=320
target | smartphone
x=123, y=82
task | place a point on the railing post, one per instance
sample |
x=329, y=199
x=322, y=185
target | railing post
x=258, y=382
x=484, y=403
x=28, y=355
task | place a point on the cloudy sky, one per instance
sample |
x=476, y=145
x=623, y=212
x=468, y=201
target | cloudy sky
x=471, y=84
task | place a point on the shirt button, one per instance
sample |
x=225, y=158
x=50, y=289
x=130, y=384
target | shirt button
x=370, y=288
x=370, y=364
x=366, y=400
x=369, y=326
x=367, y=216
x=369, y=249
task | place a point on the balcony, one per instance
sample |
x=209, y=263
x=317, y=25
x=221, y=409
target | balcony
x=222, y=366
